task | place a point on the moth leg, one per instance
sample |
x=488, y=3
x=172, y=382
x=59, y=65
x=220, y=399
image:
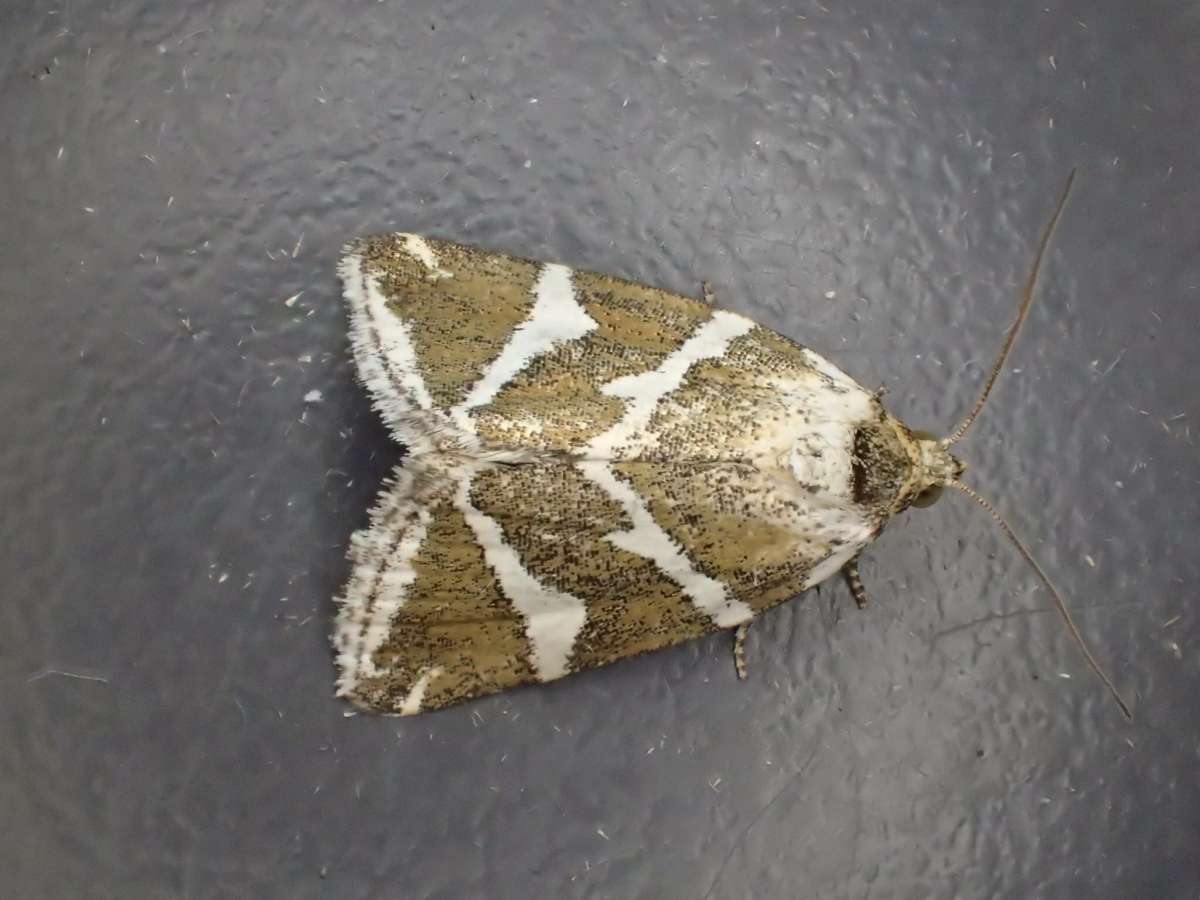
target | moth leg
x=707, y=294
x=856, y=585
x=739, y=649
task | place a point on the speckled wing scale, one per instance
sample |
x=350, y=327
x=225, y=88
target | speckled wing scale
x=596, y=469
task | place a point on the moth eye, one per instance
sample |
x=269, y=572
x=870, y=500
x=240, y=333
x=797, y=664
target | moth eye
x=928, y=497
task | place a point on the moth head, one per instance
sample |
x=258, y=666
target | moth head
x=935, y=467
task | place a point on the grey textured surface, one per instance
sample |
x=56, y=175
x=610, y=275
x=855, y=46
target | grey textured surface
x=868, y=178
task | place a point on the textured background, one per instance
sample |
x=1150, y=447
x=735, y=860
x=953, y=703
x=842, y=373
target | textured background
x=868, y=178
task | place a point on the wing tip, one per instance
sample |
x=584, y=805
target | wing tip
x=400, y=408
x=351, y=687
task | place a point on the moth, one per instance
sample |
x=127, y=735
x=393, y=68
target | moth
x=596, y=469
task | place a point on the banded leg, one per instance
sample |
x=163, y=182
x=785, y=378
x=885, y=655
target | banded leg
x=856, y=585
x=707, y=294
x=739, y=649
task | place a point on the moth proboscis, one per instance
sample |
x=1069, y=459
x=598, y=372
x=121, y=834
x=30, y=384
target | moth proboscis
x=596, y=469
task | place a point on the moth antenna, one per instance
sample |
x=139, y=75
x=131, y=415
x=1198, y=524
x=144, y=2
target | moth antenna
x=1022, y=314
x=1058, y=599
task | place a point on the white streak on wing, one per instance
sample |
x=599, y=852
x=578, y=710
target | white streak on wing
x=645, y=390
x=831, y=565
x=823, y=447
x=840, y=525
x=822, y=457
x=832, y=468
x=647, y=538
x=369, y=551
x=379, y=582
x=390, y=589
x=418, y=248
x=383, y=350
x=553, y=618
x=416, y=694
x=396, y=343
x=556, y=318
x=393, y=590
x=825, y=367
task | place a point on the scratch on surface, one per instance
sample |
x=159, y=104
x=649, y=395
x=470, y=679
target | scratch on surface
x=46, y=673
x=1112, y=365
x=993, y=617
x=741, y=839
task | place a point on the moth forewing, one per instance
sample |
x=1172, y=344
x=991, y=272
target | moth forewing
x=596, y=469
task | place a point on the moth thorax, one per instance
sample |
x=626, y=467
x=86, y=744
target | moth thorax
x=883, y=465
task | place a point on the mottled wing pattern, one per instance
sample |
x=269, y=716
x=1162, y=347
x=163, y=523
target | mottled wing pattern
x=597, y=469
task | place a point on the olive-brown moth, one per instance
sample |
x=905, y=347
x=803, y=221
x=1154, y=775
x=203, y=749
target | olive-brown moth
x=597, y=469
